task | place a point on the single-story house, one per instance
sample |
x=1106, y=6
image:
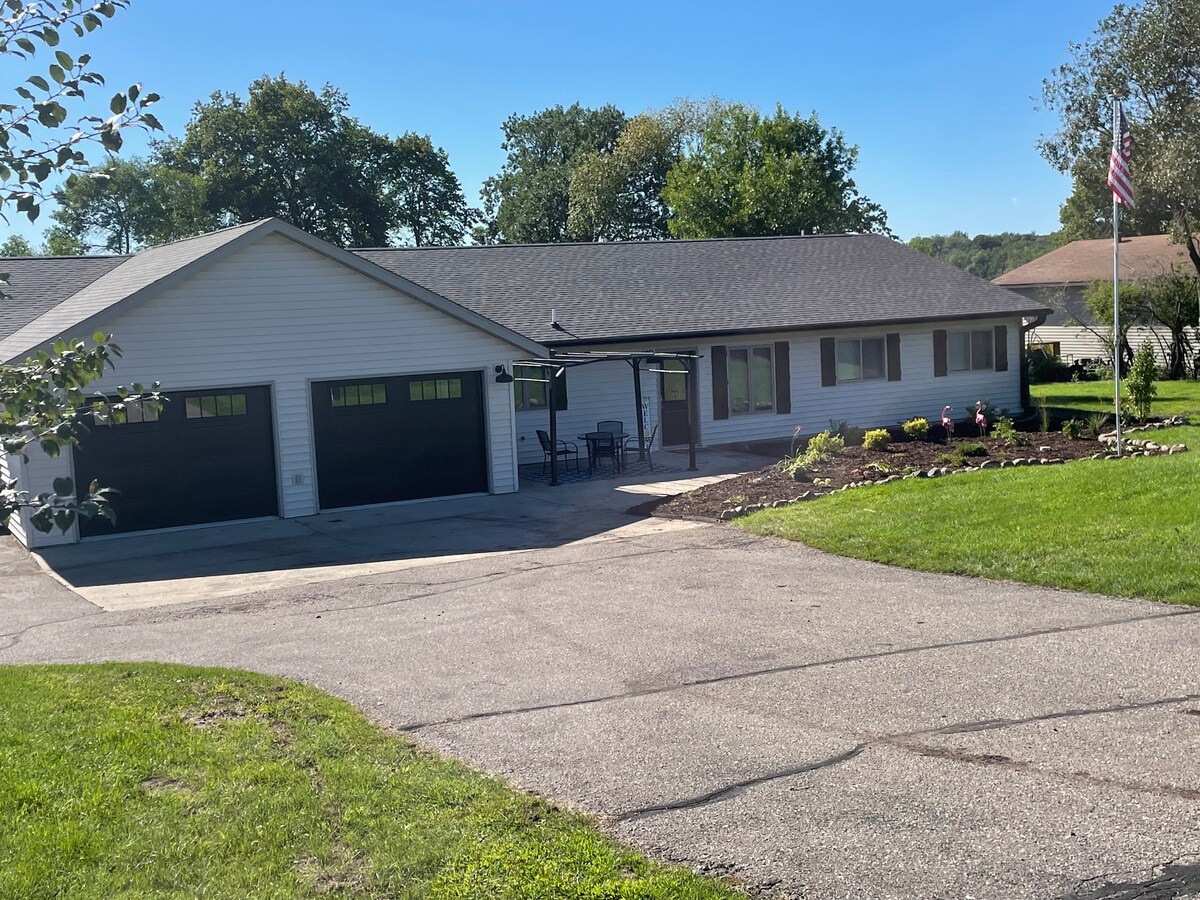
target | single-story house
x=1060, y=279
x=302, y=377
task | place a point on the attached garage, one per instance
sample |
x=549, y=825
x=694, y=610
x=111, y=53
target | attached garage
x=207, y=456
x=380, y=440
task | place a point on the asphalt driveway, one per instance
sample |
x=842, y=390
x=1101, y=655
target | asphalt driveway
x=806, y=725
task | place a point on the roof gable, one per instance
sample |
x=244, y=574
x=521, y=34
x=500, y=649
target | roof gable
x=137, y=277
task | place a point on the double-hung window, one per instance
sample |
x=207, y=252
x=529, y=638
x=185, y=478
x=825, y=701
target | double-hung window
x=751, y=380
x=970, y=351
x=861, y=359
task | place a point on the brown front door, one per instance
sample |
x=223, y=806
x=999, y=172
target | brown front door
x=674, y=399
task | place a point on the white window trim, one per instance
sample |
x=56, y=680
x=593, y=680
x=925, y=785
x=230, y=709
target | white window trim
x=882, y=338
x=750, y=348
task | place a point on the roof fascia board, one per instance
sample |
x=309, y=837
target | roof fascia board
x=782, y=329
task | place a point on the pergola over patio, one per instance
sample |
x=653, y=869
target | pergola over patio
x=558, y=361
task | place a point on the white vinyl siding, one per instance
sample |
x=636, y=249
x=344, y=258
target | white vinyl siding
x=279, y=314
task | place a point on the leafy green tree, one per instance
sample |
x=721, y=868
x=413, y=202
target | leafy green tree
x=44, y=404
x=1087, y=213
x=16, y=245
x=1146, y=55
x=41, y=400
x=985, y=255
x=59, y=243
x=38, y=136
x=529, y=200
x=1168, y=302
x=1139, y=383
x=286, y=151
x=430, y=207
x=130, y=204
x=617, y=196
x=753, y=175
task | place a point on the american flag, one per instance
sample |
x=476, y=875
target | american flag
x=1118, y=165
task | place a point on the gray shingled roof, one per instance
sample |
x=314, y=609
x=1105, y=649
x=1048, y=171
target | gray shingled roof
x=599, y=292
x=38, y=284
x=608, y=292
x=119, y=284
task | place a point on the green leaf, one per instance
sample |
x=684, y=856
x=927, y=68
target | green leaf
x=64, y=487
x=118, y=104
x=39, y=82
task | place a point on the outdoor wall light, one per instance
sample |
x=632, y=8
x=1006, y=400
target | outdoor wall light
x=502, y=376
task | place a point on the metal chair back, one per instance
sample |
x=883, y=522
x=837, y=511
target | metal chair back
x=613, y=426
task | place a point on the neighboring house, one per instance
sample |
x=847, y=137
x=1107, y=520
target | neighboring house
x=1060, y=279
x=303, y=377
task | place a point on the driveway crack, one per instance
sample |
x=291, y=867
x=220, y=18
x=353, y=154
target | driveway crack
x=730, y=791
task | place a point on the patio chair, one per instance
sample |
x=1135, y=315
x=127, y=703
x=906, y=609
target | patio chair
x=602, y=445
x=565, y=449
x=631, y=444
x=612, y=426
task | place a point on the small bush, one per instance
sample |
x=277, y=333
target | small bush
x=1046, y=369
x=917, y=429
x=883, y=468
x=971, y=449
x=962, y=453
x=852, y=435
x=1043, y=414
x=1073, y=428
x=1004, y=430
x=876, y=439
x=1097, y=422
x=821, y=447
x=1139, y=383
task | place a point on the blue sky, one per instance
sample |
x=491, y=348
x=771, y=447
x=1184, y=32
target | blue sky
x=937, y=95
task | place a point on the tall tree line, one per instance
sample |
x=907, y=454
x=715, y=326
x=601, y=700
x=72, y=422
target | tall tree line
x=573, y=173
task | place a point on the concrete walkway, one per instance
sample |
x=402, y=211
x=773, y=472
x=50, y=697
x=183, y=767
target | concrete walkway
x=807, y=725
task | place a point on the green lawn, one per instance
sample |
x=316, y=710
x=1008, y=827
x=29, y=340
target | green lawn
x=138, y=780
x=1174, y=397
x=1126, y=528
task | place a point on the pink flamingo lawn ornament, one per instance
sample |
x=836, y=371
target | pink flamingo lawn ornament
x=980, y=419
x=947, y=423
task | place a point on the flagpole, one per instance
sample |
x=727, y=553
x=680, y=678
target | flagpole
x=1116, y=284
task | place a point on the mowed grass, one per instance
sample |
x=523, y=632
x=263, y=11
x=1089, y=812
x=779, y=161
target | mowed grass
x=145, y=780
x=1126, y=528
x=1174, y=397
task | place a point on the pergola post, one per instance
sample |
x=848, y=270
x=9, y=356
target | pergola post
x=688, y=363
x=637, y=398
x=552, y=403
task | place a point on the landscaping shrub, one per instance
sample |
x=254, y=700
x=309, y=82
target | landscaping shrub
x=1139, y=383
x=1097, y=422
x=1044, y=368
x=1003, y=429
x=917, y=429
x=821, y=447
x=1073, y=428
x=852, y=435
x=962, y=454
x=876, y=439
x=972, y=449
x=1043, y=414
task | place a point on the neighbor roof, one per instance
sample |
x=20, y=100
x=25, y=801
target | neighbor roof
x=1082, y=262
x=604, y=292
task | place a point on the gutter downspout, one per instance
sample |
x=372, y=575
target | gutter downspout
x=1037, y=322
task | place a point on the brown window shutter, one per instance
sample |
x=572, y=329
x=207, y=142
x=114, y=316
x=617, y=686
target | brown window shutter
x=1001, y=348
x=939, y=353
x=560, y=390
x=720, y=381
x=783, y=377
x=828, y=362
x=893, y=355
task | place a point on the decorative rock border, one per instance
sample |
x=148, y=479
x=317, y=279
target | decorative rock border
x=1142, y=448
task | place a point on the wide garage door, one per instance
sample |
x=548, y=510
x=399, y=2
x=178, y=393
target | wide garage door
x=208, y=456
x=399, y=438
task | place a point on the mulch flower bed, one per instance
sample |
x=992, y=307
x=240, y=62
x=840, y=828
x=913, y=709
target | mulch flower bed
x=856, y=466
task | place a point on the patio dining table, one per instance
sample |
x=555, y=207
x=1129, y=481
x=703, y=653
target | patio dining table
x=592, y=437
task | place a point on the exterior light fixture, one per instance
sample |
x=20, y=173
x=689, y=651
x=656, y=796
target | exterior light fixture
x=502, y=376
